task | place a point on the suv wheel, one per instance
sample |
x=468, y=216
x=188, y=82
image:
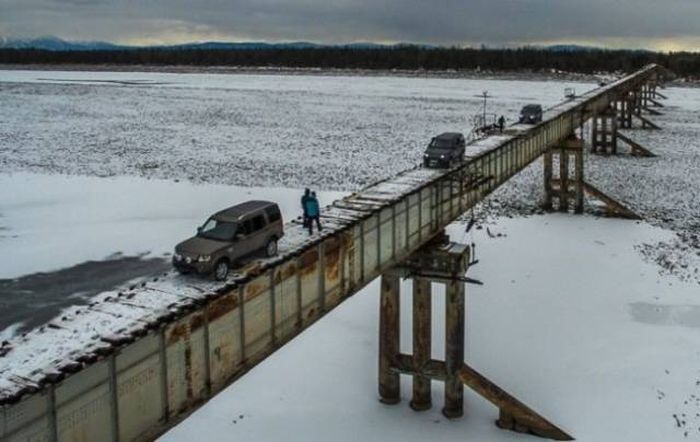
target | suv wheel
x=271, y=248
x=221, y=270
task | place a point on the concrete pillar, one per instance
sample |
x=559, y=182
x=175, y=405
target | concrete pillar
x=389, y=332
x=422, y=349
x=454, y=349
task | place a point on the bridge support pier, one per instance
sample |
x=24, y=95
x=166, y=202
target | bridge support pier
x=624, y=107
x=604, y=132
x=640, y=101
x=444, y=262
x=566, y=188
x=605, y=136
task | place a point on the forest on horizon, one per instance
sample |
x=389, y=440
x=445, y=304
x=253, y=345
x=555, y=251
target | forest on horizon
x=683, y=64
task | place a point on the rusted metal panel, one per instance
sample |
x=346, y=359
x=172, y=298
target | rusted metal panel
x=185, y=355
x=309, y=285
x=386, y=235
x=83, y=406
x=427, y=205
x=332, y=270
x=371, y=258
x=401, y=229
x=258, y=317
x=353, y=257
x=256, y=287
x=27, y=420
x=445, y=189
x=138, y=388
x=286, y=305
x=225, y=355
x=414, y=219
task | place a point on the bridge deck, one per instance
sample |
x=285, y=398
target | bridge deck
x=271, y=300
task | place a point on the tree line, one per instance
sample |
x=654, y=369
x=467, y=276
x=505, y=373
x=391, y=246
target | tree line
x=684, y=64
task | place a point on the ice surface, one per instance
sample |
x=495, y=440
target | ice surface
x=331, y=132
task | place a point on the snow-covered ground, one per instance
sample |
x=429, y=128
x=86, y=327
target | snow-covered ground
x=570, y=320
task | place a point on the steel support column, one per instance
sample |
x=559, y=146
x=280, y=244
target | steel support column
x=389, y=332
x=454, y=349
x=422, y=348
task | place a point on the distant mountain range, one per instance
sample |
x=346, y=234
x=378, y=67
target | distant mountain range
x=56, y=44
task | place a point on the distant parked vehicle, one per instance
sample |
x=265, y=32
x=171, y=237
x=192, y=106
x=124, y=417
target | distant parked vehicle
x=229, y=235
x=445, y=150
x=531, y=114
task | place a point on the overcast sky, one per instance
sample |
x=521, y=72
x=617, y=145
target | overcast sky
x=656, y=24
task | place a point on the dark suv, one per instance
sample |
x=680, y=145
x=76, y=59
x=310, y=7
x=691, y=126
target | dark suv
x=445, y=150
x=531, y=114
x=229, y=235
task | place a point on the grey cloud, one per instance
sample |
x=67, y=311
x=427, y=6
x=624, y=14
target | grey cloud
x=438, y=21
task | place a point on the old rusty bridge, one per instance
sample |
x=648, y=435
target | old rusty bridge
x=135, y=362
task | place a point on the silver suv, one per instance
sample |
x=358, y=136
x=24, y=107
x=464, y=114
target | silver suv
x=229, y=235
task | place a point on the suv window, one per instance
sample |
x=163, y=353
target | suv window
x=273, y=214
x=258, y=222
x=217, y=230
x=245, y=227
x=441, y=143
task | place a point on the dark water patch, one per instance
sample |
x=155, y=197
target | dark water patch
x=35, y=299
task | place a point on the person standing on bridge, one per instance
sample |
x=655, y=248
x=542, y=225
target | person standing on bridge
x=501, y=123
x=304, y=199
x=313, y=213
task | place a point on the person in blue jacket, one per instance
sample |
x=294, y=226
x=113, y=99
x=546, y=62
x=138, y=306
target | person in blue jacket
x=304, y=199
x=313, y=212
